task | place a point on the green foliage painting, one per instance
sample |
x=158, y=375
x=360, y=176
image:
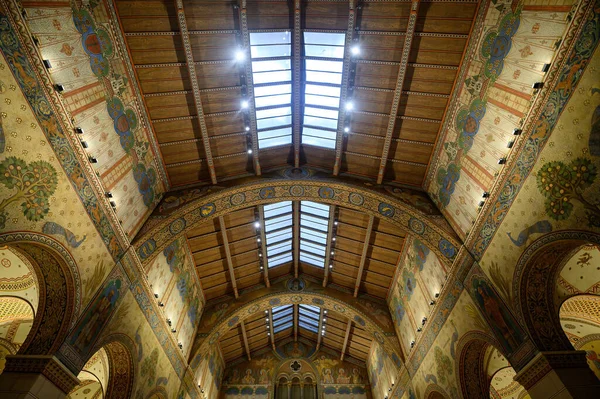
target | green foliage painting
x=34, y=184
x=561, y=184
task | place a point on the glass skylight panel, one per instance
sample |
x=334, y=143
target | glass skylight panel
x=322, y=90
x=314, y=224
x=308, y=317
x=272, y=76
x=278, y=233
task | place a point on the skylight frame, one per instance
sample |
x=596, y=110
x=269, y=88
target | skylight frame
x=271, y=65
x=314, y=232
x=308, y=315
x=323, y=67
x=278, y=219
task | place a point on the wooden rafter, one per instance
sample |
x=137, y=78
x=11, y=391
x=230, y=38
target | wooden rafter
x=344, y=89
x=249, y=84
x=363, y=258
x=296, y=309
x=346, y=337
x=296, y=236
x=263, y=246
x=245, y=337
x=319, y=333
x=330, y=226
x=228, y=255
x=410, y=32
x=297, y=85
x=271, y=328
x=191, y=68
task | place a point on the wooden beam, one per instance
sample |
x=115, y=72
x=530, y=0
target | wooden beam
x=363, y=258
x=191, y=68
x=410, y=32
x=330, y=227
x=319, y=333
x=263, y=246
x=297, y=83
x=245, y=337
x=296, y=322
x=228, y=255
x=296, y=236
x=249, y=84
x=344, y=89
x=271, y=328
x=346, y=339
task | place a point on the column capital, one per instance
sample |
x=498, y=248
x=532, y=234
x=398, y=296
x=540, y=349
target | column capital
x=48, y=366
x=544, y=362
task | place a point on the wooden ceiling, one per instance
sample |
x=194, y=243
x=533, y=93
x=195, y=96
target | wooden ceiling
x=400, y=83
x=366, y=254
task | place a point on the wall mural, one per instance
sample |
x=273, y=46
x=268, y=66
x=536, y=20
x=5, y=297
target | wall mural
x=580, y=273
x=85, y=57
x=562, y=191
x=381, y=370
x=173, y=278
x=210, y=371
x=414, y=288
x=517, y=40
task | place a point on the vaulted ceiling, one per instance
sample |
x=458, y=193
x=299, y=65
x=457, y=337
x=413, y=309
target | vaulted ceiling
x=399, y=83
x=354, y=89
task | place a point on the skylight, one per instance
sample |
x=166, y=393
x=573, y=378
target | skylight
x=322, y=90
x=278, y=233
x=308, y=317
x=272, y=78
x=314, y=221
x=283, y=317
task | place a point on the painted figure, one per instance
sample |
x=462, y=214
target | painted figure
x=356, y=378
x=327, y=377
x=248, y=378
x=342, y=377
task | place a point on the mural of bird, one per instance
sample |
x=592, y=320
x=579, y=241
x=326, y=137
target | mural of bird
x=543, y=226
x=56, y=229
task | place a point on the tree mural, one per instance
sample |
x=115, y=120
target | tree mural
x=561, y=184
x=34, y=184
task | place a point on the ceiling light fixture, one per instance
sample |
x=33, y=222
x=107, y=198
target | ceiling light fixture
x=244, y=104
x=247, y=128
x=346, y=129
x=240, y=56
x=355, y=50
x=257, y=225
x=349, y=106
x=249, y=150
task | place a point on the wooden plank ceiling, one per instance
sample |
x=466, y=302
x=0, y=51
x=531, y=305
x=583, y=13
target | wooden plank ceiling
x=399, y=84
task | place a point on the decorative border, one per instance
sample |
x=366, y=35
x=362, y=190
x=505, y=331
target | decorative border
x=48, y=366
x=577, y=47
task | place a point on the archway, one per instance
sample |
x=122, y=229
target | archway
x=483, y=371
x=435, y=391
x=536, y=286
x=58, y=288
x=203, y=206
x=93, y=378
x=267, y=301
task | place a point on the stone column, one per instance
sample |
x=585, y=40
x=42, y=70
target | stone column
x=301, y=391
x=289, y=389
x=31, y=376
x=560, y=374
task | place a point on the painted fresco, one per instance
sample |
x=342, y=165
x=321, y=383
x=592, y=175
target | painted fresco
x=438, y=366
x=27, y=152
x=152, y=365
x=210, y=371
x=417, y=282
x=254, y=376
x=85, y=57
x=173, y=278
x=517, y=40
x=580, y=274
x=94, y=378
x=381, y=371
x=566, y=159
x=18, y=277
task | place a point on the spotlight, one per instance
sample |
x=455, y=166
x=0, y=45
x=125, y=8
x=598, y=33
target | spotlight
x=424, y=320
x=180, y=345
x=331, y=266
x=517, y=131
x=240, y=56
x=169, y=322
x=84, y=144
x=59, y=88
x=437, y=294
x=113, y=204
x=419, y=329
x=546, y=68
x=93, y=159
x=485, y=194
x=247, y=128
x=335, y=223
x=333, y=239
x=266, y=312
x=346, y=129
x=108, y=194
x=257, y=225
x=325, y=311
x=173, y=330
x=349, y=106
x=502, y=161
x=510, y=144
x=332, y=253
x=249, y=150
x=537, y=85
x=432, y=302
x=47, y=64
x=324, y=320
x=355, y=50
x=161, y=304
x=156, y=295
x=412, y=343
x=481, y=203
x=78, y=130
x=244, y=104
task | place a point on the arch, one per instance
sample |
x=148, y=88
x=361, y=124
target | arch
x=119, y=349
x=162, y=230
x=435, y=391
x=535, y=281
x=267, y=301
x=470, y=367
x=157, y=393
x=59, y=290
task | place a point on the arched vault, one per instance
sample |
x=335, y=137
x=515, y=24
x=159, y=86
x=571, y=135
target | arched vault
x=206, y=204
